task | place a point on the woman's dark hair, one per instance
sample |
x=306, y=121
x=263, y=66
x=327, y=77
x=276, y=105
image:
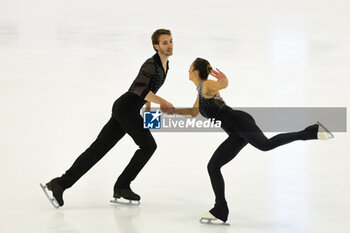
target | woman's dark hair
x=203, y=66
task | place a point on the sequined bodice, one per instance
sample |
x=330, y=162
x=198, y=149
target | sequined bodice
x=209, y=107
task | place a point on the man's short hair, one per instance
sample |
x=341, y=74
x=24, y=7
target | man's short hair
x=157, y=34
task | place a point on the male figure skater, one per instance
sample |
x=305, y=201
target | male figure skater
x=125, y=119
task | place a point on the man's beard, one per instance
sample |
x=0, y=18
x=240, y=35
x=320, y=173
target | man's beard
x=166, y=52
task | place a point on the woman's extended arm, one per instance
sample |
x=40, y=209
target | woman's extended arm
x=188, y=111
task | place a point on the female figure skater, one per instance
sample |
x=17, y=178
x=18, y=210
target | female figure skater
x=240, y=127
x=125, y=118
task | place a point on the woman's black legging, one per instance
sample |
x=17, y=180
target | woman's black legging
x=125, y=118
x=242, y=130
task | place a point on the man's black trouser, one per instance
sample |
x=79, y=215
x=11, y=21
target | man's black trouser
x=125, y=118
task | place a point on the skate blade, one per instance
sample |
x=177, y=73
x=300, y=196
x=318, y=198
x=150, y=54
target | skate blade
x=51, y=199
x=125, y=202
x=210, y=221
x=329, y=132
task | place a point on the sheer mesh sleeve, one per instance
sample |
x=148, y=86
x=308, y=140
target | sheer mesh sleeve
x=140, y=86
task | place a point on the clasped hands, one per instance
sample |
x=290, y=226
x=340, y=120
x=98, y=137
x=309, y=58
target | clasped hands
x=167, y=108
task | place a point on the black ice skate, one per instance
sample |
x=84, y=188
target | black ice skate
x=210, y=219
x=125, y=197
x=57, y=192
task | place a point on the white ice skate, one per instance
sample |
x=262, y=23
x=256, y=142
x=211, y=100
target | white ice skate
x=210, y=219
x=52, y=200
x=323, y=133
x=123, y=201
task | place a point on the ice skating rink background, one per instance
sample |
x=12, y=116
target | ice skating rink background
x=63, y=63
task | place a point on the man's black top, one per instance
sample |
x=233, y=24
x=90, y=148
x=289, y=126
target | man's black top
x=150, y=78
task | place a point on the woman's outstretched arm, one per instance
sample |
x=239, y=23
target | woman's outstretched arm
x=193, y=112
